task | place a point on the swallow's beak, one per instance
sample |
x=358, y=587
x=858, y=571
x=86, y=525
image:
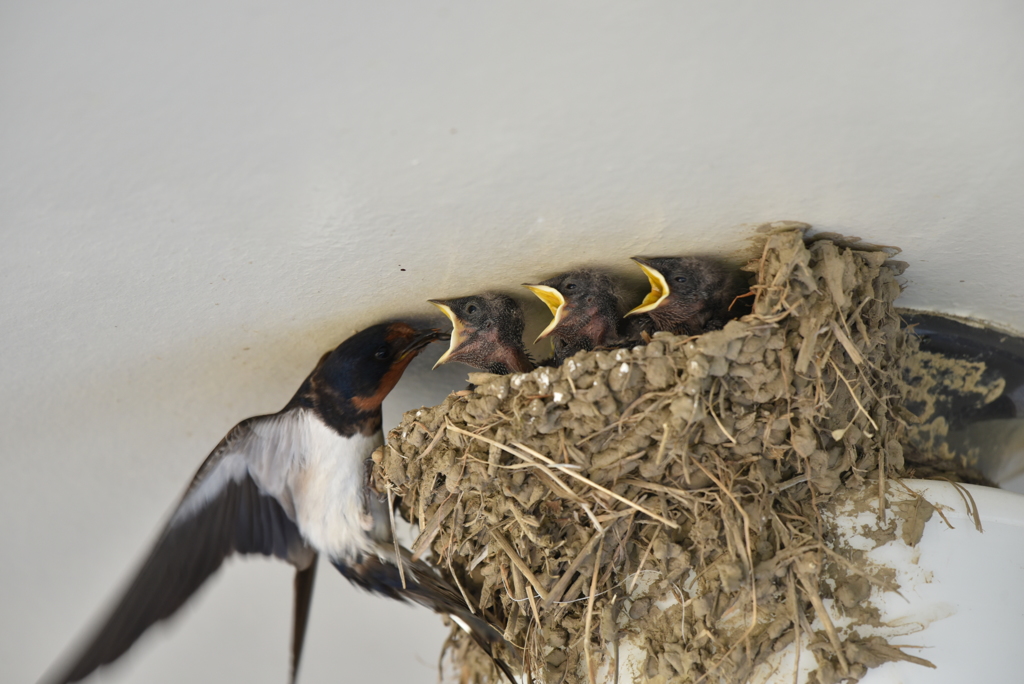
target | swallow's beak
x=659, y=288
x=555, y=301
x=421, y=340
x=458, y=335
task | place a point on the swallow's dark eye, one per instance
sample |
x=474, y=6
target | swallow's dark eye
x=471, y=309
x=680, y=279
x=381, y=353
x=570, y=286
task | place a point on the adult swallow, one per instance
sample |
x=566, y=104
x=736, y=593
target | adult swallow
x=689, y=295
x=487, y=333
x=586, y=310
x=291, y=485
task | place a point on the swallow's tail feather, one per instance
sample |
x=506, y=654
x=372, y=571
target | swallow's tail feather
x=303, y=589
x=424, y=586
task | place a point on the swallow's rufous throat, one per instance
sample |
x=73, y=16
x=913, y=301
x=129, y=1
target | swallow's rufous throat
x=292, y=485
x=487, y=333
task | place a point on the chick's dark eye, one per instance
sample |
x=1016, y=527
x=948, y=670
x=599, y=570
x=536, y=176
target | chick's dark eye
x=471, y=309
x=681, y=279
x=570, y=286
x=381, y=353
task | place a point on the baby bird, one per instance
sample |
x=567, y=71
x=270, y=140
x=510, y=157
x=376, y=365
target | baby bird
x=689, y=295
x=587, y=309
x=487, y=333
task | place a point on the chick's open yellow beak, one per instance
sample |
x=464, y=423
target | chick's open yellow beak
x=659, y=290
x=458, y=330
x=555, y=301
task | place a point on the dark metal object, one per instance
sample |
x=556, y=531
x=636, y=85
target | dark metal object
x=1002, y=353
x=990, y=436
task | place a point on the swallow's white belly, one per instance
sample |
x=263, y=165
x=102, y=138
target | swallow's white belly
x=328, y=491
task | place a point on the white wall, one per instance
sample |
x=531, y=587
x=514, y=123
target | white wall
x=197, y=199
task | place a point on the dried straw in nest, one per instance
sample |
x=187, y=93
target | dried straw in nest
x=564, y=502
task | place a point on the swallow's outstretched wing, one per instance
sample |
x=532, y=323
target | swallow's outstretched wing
x=238, y=502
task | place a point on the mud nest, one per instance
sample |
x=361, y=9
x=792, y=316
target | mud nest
x=673, y=492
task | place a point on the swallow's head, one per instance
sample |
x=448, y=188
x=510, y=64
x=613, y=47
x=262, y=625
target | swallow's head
x=685, y=282
x=578, y=300
x=485, y=329
x=367, y=366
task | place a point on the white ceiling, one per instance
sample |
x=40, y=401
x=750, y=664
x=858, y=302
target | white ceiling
x=199, y=198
